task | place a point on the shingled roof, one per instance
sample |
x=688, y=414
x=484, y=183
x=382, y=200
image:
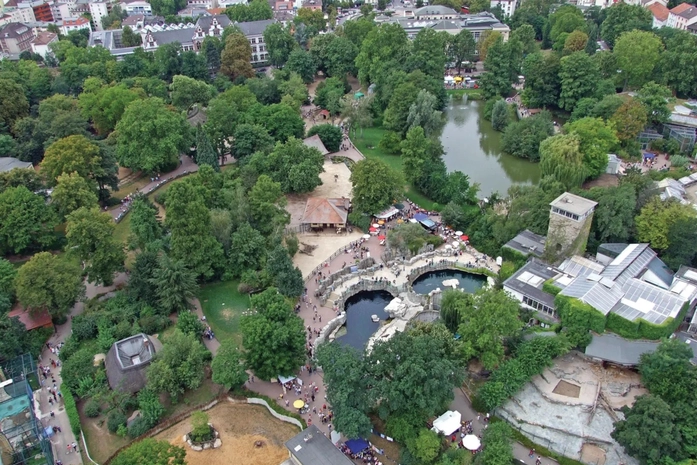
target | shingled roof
x=319, y=210
x=127, y=360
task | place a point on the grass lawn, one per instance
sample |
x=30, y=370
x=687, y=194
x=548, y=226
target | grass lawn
x=368, y=145
x=223, y=307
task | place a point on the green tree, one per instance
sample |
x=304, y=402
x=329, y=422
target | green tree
x=205, y=153
x=384, y=48
x=668, y=373
x=285, y=275
x=486, y=40
x=273, y=337
x=178, y=366
x=330, y=135
x=424, y=113
x=27, y=221
x=561, y=158
x=655, y=98
x=579, y=76
x=485, y=320
x=679, y=61
x=145, y=228
x=234, y=59
x=72, y=192
x=130, y=38
x=251, y=138
x=90, y=235
x=427, y=53
x=175, y=285
x=500, y=115
x=7, y=276
x=597, y=139
x=416, y=150
x=247, y=249
x=575, y=42
x=523, y=138
x=256, y=10
x=500, y=70
x=150, y=136
x=623, y=17
x=15, y=340
x=613, y=220
x=105, y=105
x=629, y=120
x=311, y=18
x=186, y=91
x=302, y=63
x=49, y=282
x=649, y=417
x=357, y=113
x=637, y=55
x=564, y=21
x=461, y=47
x=682, y=246
x=279, y=43
x=140, y=283
x=657, y=217
x=375, y=186
x=296, y=166
x=227, y=366
x=188, y=323
x=188, y=219
x=13, y=103
x=335, y=55
x=73, y=154
x=497, y=448
x=407, y=238
x=282, y=121
x=426, y=446
x=267, y=205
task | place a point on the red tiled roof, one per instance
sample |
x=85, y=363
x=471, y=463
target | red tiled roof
x=75, y=22
x=45, y=38
x=659, y=11
x=32, y=320
x=216, y=11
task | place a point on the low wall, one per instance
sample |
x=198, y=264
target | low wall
x=368, y=285
x=329, y=328
x=293, y=421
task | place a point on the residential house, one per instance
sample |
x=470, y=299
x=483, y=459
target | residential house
x=660, y=14
x=254, y=31
x=136, y=7
x=110, y=40
x=682, y=16
x=15, y=38
x=98, y=10
x=507, y=6
x=40, y=44
x=135, y=22
x=75, y=24
x=526, y=286
x=435, y=12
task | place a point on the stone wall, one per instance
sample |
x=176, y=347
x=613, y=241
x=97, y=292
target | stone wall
x=291, y=420
x=329, y=328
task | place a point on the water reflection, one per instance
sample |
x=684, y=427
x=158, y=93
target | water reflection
x=472, y=146
x=359, y=309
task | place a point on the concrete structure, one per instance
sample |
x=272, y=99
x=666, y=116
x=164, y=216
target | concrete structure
x=40, y=44
x=15, y=38
x=75, y=25
x=660, y=14
x=98, y=10
x=526, y=286
x=682, y=16
x=507, y=6
x=527, y=243
x=127, y=360
x=617, y=350
x=110, y=40
x=439, y=18
x=613, y=164
x=569, y=225
x=312, y=447
x=136, y=7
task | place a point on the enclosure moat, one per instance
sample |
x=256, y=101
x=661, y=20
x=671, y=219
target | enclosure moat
x=432, y=280
x=359, y=309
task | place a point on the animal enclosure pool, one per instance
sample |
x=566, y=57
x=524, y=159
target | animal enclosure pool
x=432, y=280
x=359, y=310
x=13, y=406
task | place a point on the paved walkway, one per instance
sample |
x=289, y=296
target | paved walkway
x=61, y=440
x=186, y=165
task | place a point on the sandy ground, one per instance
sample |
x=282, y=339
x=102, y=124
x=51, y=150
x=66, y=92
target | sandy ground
x=240, y=426
x=327, y=243
x=330, y=188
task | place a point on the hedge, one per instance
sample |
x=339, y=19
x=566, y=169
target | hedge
x=642, y=329
x=622, y=326
x=577, y=314
x=71, y=410
x=550, y=288
x=514, y=256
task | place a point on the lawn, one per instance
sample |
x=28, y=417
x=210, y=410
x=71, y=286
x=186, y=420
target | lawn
x=368, y=145
x=223, y=307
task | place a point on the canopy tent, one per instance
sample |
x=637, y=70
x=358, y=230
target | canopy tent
x=449, y=79
x=358, y=95
x=387, y=214
x=447, y=423
x=420, y=217
x=649, y=156
x=285, y=379
x=471, y=442
x=357, y=445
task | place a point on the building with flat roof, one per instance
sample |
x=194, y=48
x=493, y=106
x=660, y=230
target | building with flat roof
x=312, y=447
x=526, y=286
x=527, y=243
x=570, y=222
x=436, y=17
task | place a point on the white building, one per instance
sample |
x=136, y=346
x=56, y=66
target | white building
x=507, y=6
x=682, y=16
x=98, y=10
x=136, y=7
x=40, y=44
x=660, y=14
x=75, y=24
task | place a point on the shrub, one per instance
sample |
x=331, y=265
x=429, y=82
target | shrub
x=152, y=324
x=679, y=161
x=138, y=427
x=115, y=420
x=71, y=410
x=550, y=288
x=200, y=429
x=92, y=408
x=84, y=327
x=390, y=143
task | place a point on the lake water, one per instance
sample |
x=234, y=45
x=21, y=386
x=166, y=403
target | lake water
x=473, y=147
x=359, y=308
x=432, y=280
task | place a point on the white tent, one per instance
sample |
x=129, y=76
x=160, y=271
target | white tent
x=471, y=442
x=285, y=379
x=447, y=423
x=449, y=79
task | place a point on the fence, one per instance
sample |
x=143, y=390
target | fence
x=303, y=228
x=127, y=208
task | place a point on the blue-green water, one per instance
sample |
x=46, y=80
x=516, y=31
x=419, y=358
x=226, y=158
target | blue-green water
x=432, y=280
x=359, y=309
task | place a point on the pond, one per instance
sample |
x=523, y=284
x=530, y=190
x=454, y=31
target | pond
x=433, y=280
x=359, y=308
x=473, y=146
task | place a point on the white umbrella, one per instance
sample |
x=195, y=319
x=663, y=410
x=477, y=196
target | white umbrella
x=471, y=442
x=375, y=225
x=458, y=233
x=448, y=246
x=366, y=236
x=456, y=244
